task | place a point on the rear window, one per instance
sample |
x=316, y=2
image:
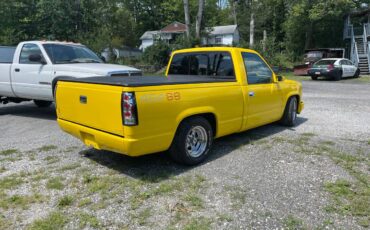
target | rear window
x=7, y=54
x=208, y=64
x=325, y=62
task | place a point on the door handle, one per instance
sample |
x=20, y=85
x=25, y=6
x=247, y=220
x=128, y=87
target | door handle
x=251, y=94
x=17, y=70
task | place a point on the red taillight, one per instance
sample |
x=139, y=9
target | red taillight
x=129, y=109
x=330, y=67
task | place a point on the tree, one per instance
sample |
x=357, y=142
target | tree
x=187, y=17
x=198, y=22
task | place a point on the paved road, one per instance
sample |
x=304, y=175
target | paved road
x=264, y=178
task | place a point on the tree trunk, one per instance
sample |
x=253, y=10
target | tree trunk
x=309, y=36
x=187, y=17
x=251, y=31
x=234, y=12
x=198, y=23
x=264, y=40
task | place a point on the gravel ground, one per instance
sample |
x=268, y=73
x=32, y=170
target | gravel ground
x=312, y=176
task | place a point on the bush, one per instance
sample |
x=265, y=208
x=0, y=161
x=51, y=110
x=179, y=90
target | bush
x=157, y=54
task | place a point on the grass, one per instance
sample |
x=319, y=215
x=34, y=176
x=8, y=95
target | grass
x=10, y=182
x=293, y=223
x=199, y=223
x=87, y=220
x=20, y=201
x=55, y=183
x=55, y=220
x=47, y=148
x=194, y=200
x=348, y=197
x=84, y=202
x=368, y=142
x=238, y=196
x=8, y=152
x=71, y=166
x=65, y=201
x=143, y=216
x=51, y=159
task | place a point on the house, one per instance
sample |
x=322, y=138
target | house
x=222, y=35
x=218, y=35
x=356, y=35
x=148, y=38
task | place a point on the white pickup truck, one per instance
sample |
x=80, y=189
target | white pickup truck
x=28, y=70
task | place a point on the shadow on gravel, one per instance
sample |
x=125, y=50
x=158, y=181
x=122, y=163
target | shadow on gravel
x=159, y=166
x=29, y=110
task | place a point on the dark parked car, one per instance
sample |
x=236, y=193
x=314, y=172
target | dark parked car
x=333, y=68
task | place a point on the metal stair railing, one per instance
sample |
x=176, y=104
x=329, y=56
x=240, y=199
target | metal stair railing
x=354, y=52
x=366, y=44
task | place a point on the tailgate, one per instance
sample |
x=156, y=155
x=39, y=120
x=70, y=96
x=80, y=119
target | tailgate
x=92, y=105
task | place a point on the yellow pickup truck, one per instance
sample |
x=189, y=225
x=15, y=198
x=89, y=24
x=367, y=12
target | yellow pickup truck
x=207, y=93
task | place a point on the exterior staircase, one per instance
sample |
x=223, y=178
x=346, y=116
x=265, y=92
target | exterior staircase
x=362, y=55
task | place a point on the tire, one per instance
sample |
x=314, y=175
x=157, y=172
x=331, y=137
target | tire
x=290, y=113
x=339, y=76
x=357, y=74
x=314, y=78
x=42, y=104
x=186, y=147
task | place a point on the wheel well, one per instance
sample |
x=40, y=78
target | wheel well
x=210, y=117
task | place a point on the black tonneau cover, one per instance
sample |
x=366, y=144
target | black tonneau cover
x=137, y=81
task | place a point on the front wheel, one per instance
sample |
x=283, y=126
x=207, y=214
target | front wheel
x=42, y=104
x=290, y=112
x=314, y=78
x=357, y=74
x=192, y=142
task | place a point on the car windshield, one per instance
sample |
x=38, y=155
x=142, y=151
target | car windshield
x=63, y=54
x=325, y=62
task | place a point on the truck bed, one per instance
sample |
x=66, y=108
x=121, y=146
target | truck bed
x=139, y=81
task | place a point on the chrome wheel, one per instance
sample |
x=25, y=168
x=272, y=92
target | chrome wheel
x=196, y=141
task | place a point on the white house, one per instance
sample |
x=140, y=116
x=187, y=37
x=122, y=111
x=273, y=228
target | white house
x=148, y=38
x=222, y=35
x=218, y=35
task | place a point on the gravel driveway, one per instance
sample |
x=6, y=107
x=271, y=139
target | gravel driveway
x=313, y=176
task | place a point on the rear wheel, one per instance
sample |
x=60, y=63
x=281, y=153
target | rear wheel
x=290, y=112
x=338, y=76
x=42, y=104
x=192, y=142
x=314, y=78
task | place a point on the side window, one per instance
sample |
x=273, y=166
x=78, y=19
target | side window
x=349, y=62
x=210, y=64
x=27, y=50
x=257, y=70
x=179, y=65
x=342, y=62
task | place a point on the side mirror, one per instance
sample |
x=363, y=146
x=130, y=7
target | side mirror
x=36, y=58
x=280, y=78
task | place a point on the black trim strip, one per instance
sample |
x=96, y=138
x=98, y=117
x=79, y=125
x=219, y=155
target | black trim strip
x=91, y=128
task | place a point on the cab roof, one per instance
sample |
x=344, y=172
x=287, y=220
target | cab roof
x=221, y=48
x=41, y=42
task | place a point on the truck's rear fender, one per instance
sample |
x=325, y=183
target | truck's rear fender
x=208, y=113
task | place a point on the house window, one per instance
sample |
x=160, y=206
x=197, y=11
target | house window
x=218, y=40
